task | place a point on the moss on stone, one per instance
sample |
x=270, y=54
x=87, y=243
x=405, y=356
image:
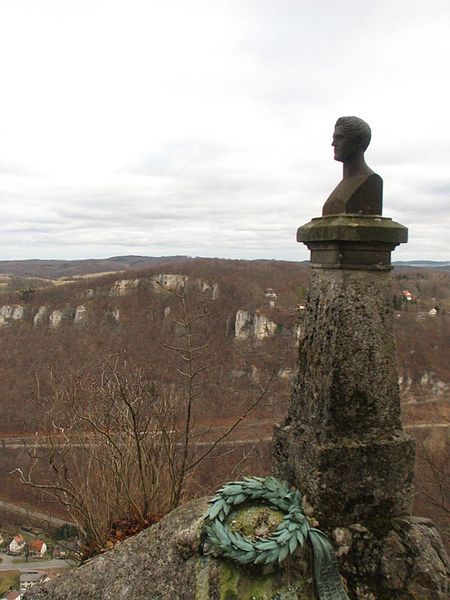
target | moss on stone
x=220, y=579
x=223, y=579
x=252, y=521
x=229, y=582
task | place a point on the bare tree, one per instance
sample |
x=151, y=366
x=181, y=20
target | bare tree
x=102, y=457
x=125, y=444
x=432, y=484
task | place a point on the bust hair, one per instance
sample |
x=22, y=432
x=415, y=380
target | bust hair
x=356, y=128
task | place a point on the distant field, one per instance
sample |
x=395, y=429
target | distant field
x=87, y=275
x=73, y=278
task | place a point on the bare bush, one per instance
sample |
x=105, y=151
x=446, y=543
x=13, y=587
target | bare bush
x=123, y=446
x=432, y=483
x=103, y=450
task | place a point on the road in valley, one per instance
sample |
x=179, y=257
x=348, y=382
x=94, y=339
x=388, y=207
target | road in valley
x=8, y=564
x=34, y=514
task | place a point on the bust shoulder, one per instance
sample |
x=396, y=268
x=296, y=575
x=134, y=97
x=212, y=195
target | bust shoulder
x=362, y=194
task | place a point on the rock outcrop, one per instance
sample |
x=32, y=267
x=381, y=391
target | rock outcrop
x=57, y=316
x=402, y=559
x=208, y=287
x=80, y=315
x=166, y=562
x=39, y=317
x=122, y=287
x=256, y=326
x=174, y=282
x=113, y=315
x=429, y=385
x=9, y=313
x=170, y=282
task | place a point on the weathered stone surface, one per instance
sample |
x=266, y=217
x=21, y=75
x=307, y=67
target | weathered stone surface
x=342, y=442
x=243, y=325
x=352, y=242
x=58, y=315
x=402, y=558
x=165, y=562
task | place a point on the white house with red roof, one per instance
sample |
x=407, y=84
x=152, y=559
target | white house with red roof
x=37, y=548
x=17, y=545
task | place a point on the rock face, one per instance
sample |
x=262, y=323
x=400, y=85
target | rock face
x=113, y=315
x=210, y=288
x=18, y=313
x=429, y=385
x=6, y=312
x=165, y=562
x=57, y=316
x=80, y=315
x=15, y=312
x=171, y=282
x=402, y=559
x=256, y=326
x=122, y=287
x=39, y=317
x=174, y=282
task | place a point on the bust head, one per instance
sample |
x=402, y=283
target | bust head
x=350, y=139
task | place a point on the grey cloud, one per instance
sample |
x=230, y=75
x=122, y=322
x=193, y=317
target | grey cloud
x=438, y=189
x=294, y=65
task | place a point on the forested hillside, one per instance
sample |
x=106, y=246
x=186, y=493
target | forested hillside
x=253, y=321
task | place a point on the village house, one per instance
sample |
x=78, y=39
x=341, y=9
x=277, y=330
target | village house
x=409, y=296
x=17, y=545
x=37, y=548
x=30, y=578
x=13, y=595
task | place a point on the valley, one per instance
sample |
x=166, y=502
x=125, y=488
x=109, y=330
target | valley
x=128, y=312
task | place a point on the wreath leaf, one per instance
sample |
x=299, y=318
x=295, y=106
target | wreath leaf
x=287, y=537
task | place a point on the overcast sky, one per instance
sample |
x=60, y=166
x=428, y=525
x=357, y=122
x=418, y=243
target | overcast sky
x=204, y=127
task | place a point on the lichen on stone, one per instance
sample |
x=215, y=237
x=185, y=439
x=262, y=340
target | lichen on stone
x=254, y=521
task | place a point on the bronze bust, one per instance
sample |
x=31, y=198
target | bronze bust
x=361, y=190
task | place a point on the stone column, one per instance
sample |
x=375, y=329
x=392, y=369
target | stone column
x=342, y=443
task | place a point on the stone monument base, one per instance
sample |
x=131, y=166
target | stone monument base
x=364, y=478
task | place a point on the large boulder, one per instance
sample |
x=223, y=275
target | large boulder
x=166, y=562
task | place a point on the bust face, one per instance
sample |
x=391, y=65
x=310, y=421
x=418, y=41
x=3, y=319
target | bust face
x=345, y=146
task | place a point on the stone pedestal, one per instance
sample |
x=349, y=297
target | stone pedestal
x=352, y=241
x=342, y=443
